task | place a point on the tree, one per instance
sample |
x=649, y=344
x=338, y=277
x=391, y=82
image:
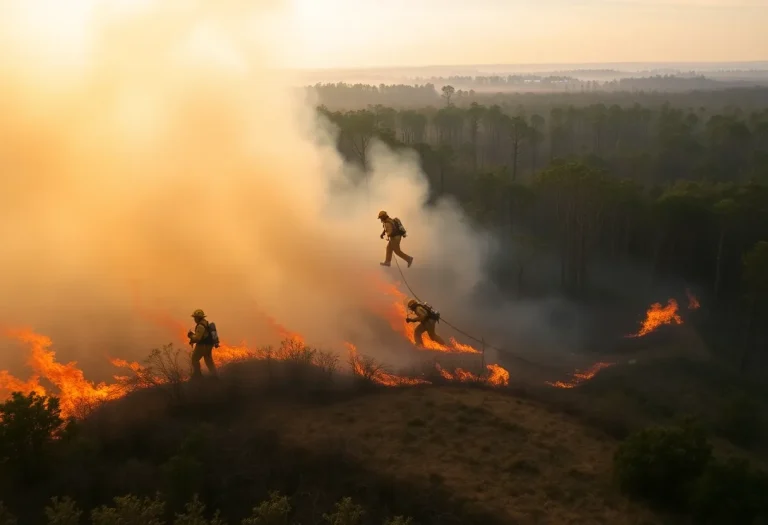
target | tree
x=535, y=136
x=577, y=192
x=518, y=132
x=360, y=128
x=448, y=92
x=474, y=116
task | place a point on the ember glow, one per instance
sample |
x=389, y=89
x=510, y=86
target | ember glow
x=581, y=376
x=693, y=302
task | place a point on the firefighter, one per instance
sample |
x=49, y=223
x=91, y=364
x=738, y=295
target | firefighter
x=203, y=342
x=394, y=231
x=427, y=318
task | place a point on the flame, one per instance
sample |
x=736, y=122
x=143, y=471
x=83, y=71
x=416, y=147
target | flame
x=497, y=376
x=658, y=315
x=693, y=302
x=376, y=374
x=581, y=376
x=396, y=315
x=77, y=394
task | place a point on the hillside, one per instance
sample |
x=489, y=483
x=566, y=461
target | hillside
x=449, y=453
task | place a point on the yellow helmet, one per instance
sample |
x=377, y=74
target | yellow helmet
x=382, y=214
x=412, y=303
x=198, y=313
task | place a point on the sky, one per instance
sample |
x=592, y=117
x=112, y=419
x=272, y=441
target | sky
x=377, y=33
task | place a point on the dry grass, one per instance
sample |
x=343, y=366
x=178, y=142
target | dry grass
x=510, y=456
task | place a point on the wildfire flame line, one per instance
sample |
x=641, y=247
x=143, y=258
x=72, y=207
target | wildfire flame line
x=580, y=376
x=79, y=396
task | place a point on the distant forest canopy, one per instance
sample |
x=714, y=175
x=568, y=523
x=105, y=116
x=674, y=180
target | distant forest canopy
x=563, y=90
x=675, y=183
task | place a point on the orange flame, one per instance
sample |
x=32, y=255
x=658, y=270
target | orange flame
x=658, y=315
x=497, y=375
x=77, y=394
x=396, y=316
x=580, y=377
x=376, y=374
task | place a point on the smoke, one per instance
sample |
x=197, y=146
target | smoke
x=155, y=160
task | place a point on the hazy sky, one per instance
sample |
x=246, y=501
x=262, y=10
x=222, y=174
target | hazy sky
x=360, y=33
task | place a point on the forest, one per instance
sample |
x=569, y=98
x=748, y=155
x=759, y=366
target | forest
x=672, y=185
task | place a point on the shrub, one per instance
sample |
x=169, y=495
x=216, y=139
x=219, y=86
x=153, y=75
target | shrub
x=130, y=510
x=345, y=513
x=63, y=512
x=165, y=369
x=660, y=464
x=194, y=514
x=273, y=511
x=730, y=492
x=740, y=420
x=30, y=429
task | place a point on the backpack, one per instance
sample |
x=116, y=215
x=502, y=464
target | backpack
x=211, y=336
x=431, y=312
x=399, y=229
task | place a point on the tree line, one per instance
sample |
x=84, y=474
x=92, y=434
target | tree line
x=678, y=191
x=542, y=93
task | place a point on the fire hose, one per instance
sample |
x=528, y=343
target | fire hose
x=465, y=334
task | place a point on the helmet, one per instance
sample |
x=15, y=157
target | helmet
x=412, y=303
x=382, y=214
x=198, y=313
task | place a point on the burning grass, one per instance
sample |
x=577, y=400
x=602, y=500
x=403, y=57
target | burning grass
x=168, y=367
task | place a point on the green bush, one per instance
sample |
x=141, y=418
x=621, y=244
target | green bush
x=194, y=514
x=345, y=513
x=30, y=429
x=273, y=511
x=661, y=464
x=730, y=492
x=130, y=510
x=63, y=511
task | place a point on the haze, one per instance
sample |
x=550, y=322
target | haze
x=371, y=33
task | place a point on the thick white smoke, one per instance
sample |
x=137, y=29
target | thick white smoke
x=154, y=157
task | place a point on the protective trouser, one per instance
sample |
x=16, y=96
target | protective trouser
x=427, y=326
x=206, y=353
x=394, y=246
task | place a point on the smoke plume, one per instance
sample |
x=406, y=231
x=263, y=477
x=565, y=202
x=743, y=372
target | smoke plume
x=155, y=159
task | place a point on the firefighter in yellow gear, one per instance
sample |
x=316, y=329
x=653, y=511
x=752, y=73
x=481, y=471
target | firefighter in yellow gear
x=203, y=343
x=427, y=319
x=393, y=237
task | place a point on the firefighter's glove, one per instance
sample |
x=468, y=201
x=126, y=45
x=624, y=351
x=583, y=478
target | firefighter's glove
x=381, y=236
x=409, y=320
x=190, y=334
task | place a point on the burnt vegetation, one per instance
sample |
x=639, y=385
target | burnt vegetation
x=671, y=186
